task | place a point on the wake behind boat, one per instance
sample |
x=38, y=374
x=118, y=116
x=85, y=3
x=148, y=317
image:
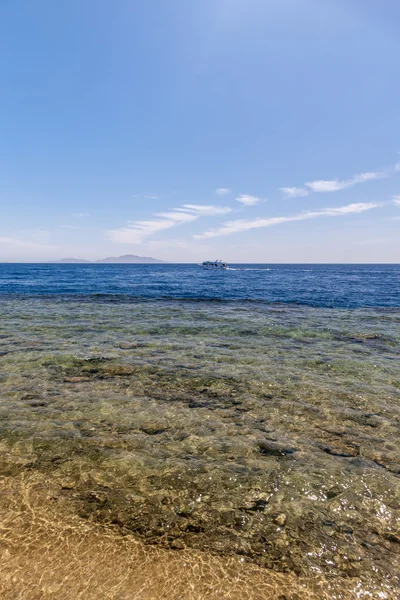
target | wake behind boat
x=214, y=264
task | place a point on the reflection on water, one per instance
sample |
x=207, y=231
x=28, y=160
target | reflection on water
x=268, y=434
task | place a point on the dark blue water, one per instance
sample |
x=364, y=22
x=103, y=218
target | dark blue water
x=347, y=286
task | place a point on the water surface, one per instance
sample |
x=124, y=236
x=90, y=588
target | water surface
x=255, y=431
x=346, y=286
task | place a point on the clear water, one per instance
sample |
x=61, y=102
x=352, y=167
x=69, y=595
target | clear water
x=266, y=430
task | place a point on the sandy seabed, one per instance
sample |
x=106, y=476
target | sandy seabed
x=47, y=552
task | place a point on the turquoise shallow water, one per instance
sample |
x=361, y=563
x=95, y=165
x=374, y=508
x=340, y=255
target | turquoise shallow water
x=266, y=431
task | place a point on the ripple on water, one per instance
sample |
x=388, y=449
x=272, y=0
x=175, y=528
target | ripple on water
x=264, y=433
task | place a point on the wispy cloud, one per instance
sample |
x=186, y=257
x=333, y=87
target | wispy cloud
x=330, y=185
x=161, y=244
x=222, y=191
x=81, y=215
x=145, y=196
x=205, y=210
x=137, y=231
x=396, y=199
x=294, y=192
x=243, y=225
x=16, y=242
x=248, y=200
x=335, y=185
x=34, y=236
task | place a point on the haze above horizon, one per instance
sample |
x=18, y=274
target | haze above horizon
x=258, y=131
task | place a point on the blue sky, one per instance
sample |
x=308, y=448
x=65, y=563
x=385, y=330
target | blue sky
x=251, y=130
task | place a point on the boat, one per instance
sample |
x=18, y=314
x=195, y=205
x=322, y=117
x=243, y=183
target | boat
x=213, y=264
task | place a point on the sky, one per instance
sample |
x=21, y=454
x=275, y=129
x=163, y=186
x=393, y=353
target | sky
x=246, y=130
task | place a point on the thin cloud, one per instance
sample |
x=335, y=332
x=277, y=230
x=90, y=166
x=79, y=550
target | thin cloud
x=243, y=225
x=294, y=192
x=396, y=199
x=23, y=243
x=222, y=191
x=36, y=236
x=145, y=196
x=248, y=200
x=334, y=185
x=161, y=244
x=81, y=215
x=205, y=210
x=137, y=231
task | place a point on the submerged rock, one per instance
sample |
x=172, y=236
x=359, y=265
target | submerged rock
x=280, y=519
x=275, y=448
x=76, y=379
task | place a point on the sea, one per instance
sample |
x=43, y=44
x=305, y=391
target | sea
x=178, y=433
x=325, y=286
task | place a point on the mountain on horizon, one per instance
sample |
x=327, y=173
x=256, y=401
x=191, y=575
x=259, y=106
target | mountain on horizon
x=124, y=259
x=129, y=258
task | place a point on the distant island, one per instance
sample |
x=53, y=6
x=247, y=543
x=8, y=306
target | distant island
x=125, y=259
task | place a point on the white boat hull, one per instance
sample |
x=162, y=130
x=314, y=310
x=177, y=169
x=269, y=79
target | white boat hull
x=216, y=265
